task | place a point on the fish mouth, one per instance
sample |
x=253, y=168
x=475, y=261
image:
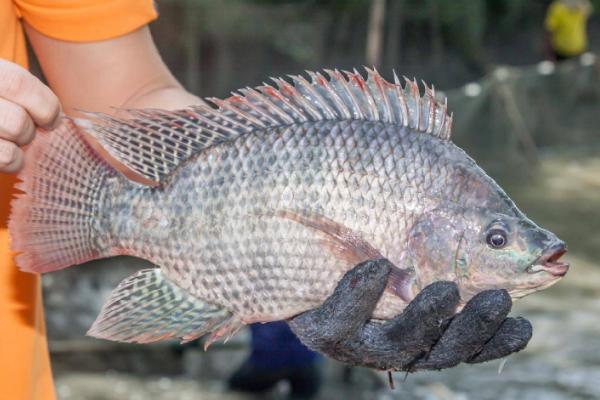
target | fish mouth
x=549, y=262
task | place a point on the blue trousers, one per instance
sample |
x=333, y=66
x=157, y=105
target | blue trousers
x=275, y=346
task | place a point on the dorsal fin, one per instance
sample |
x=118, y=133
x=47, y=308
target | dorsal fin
x=154, y=142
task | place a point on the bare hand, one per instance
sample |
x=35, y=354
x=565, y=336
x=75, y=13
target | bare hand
x=25, y=104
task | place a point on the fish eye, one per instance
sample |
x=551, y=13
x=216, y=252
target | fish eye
x=496, y=238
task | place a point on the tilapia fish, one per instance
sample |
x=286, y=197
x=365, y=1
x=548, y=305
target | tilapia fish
x=255, y=206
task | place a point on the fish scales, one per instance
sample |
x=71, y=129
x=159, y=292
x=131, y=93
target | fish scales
x=252, y=211
x=260, y=266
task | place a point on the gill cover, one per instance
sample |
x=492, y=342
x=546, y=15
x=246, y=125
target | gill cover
x=434, y=245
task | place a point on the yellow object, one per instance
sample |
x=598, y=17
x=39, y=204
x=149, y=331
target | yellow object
x=566, y=21
x=24, y=363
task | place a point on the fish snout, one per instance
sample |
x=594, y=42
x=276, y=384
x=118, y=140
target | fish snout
x=549, y=261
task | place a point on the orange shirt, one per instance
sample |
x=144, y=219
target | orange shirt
x=69, y=20
x=24, y=364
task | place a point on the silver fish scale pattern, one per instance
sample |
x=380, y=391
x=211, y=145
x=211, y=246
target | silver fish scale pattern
x=215, y=231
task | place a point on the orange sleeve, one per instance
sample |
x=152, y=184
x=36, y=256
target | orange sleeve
x=86, y=20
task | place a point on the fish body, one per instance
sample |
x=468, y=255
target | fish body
x=234, y=226
x=262, y=203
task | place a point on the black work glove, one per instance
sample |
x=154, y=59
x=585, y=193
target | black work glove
x=427, y=335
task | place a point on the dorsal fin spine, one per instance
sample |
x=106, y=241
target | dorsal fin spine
x=293, y=95
x=262, y=99
x=444, y=117
x=388, y=114
x=299, y=85
x=334, y=78
x=154, y=142
x=217, y=129
x=359, y=84
x=346, y=85
x=303, y=101
x=449, y=126
x=371, y=106
x=418, y=103
x=441, y=113
x=319, y=80
x=205, y=112
x=429, y=92
x=228, y=106
x=415, y=96
x=243, y=100
x=432, y=105
x=424, y=109
x=220, y=113
x=210, y=127
x=339, y=104
x=401, y=100
x=319, y=100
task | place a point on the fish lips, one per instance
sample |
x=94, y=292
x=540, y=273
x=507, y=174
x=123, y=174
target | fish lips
x=549, y=261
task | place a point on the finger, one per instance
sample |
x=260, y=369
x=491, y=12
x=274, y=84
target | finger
x=358, y=292
x=347, y=309
x=426, y=317
x=11, y=157
x=469, y=330
x=15, y=124
x=512, y=336
x=17, y=85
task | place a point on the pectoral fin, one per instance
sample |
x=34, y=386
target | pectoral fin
x=349, y=246
x=341, y=241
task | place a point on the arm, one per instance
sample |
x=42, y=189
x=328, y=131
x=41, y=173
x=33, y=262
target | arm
x=125, y=72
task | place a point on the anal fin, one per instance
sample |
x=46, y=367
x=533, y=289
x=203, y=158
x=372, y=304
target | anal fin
x=146, y=307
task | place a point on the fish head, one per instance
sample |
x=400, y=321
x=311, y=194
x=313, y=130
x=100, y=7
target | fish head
x=482, y=249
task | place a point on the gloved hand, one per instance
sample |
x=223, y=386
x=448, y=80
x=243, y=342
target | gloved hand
x=427, y=335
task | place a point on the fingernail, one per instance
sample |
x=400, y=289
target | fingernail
x=7, y=153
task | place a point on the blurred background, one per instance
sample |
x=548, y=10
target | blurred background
x=527, y=110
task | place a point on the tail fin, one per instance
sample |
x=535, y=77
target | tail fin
x=51, y=224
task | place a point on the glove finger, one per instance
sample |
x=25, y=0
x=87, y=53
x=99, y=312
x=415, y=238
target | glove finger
x=395, y=344
x=424, y=320
x=512, y=336
x=469, y=331
x=347, y=309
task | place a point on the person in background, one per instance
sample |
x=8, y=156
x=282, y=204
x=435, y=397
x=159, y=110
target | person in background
x=566, y=22
x=277, y=355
